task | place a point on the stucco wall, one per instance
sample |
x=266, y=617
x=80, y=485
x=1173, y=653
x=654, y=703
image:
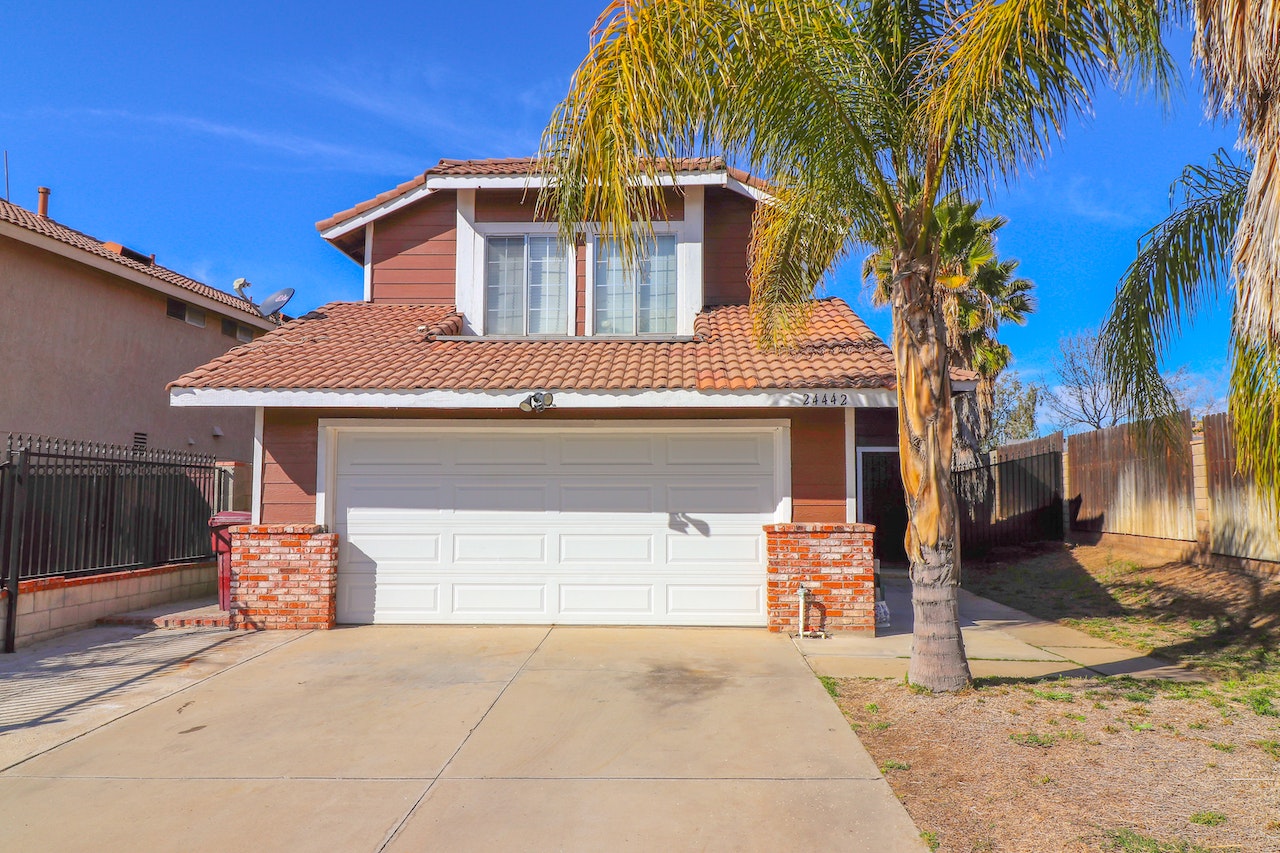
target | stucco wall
x=87, y=356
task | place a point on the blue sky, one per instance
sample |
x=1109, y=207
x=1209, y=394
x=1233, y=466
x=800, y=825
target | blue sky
x=216, y=138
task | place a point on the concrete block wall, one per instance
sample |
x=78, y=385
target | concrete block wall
x=283, y=576
x=835, y=562
x=48, y=607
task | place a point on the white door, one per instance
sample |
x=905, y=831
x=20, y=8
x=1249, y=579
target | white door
x=595, y=524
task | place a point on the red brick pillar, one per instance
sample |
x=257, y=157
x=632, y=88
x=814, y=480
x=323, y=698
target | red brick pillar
x=837, y=565
x=283, y=576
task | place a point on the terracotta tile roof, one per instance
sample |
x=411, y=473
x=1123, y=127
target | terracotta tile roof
x=372, y=346
x=24, y=218
x=516, y=166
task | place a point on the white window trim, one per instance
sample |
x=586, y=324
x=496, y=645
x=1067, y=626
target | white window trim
x=328, y=430
x=688, y=275
x=850, y=466
x=526, y=230
x=861, y=450
x=255, y=516
x=469, y=281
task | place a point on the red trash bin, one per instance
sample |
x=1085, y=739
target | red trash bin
x=220, y=523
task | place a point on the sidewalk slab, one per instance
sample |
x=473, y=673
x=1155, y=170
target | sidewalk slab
x=645, y=814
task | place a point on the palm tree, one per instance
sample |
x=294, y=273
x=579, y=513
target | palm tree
x=1224, y=231
x=864, y=116
x=980, y=293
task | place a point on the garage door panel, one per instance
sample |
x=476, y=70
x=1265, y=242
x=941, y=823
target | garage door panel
x=633, y=525
x=707, y=499
x=608, y=450
x=502, y=449
x=385, y=548
x=499, y=598
x=606, y=548
x=741, y=549
x=739, y=451
x=620, y=497
x=362, y=454
x=606, y=600
x=501, y=496
x=500, y=548
x=371, y=497
x=714, y=599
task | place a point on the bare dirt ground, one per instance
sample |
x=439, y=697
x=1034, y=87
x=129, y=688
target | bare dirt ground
x=1098, y=764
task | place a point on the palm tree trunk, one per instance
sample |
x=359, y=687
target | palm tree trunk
x=969, y=432
x=925, y=418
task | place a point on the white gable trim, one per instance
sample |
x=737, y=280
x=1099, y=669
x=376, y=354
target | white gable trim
x=436, y=183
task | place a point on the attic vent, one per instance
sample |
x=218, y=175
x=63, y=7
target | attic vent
x=131, y=254
x=139, y=441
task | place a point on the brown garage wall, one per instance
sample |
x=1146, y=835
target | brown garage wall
x=817, y=453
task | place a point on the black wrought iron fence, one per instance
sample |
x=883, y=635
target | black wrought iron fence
x=1010, y=502
x=73, y=508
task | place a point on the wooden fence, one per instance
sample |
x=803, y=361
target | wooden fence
x=1123, y=481
x=1240, y=522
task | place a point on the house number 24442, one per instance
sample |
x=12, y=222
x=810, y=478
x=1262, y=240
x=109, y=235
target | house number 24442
x=836, y=399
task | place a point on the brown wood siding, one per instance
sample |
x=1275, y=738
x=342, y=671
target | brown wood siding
x=580, y=287
x=415, y=252
x=505, y=205
x=289, y=444
x=817, y=466
x=726, y=237
x=817, y=453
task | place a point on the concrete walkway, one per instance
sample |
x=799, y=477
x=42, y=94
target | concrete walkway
x=999, y=640
x=399, y=739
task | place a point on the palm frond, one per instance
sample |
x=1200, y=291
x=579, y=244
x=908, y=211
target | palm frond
x=1011, y=73
x=1182, y=264
x=1254, y=404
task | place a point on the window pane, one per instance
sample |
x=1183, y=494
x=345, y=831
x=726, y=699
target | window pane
x=614, y=293
x=656, y=297
x=504, y=286
x=548, y=286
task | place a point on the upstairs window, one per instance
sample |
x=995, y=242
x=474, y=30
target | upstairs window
x=640, y=300
x=180, y=310
x=527, y=281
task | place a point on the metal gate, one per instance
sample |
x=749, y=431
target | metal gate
x=75, y=508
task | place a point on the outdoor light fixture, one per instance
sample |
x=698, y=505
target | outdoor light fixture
x=538, y=401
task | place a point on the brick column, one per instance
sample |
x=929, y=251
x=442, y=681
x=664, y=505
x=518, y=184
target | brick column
x=835, y=562
x=283, y=576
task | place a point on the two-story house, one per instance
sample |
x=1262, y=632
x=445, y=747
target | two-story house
x=511, y=429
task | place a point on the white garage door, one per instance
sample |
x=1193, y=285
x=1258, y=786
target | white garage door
x=598, y=524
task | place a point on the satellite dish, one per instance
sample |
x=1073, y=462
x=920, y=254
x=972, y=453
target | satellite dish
x=240, y=284
x=273, y=303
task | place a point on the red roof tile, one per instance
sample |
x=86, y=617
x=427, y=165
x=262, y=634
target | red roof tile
x=516, y=166
x=373, y=346
x=24, y=218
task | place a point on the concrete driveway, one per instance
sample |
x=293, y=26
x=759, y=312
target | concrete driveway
x=415, y=738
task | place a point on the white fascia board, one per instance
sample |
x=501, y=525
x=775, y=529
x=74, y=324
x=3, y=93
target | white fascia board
x=515, y=182
x=89, y=259
x=447, y=399
x=358, y=221
x=747, y=190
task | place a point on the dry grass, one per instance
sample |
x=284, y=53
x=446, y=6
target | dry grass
x=1106, y=764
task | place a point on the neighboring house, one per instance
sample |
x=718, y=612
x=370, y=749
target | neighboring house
x=658, y=484
x=92, y=332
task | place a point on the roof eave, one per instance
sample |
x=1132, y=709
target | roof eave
x=75, y=253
